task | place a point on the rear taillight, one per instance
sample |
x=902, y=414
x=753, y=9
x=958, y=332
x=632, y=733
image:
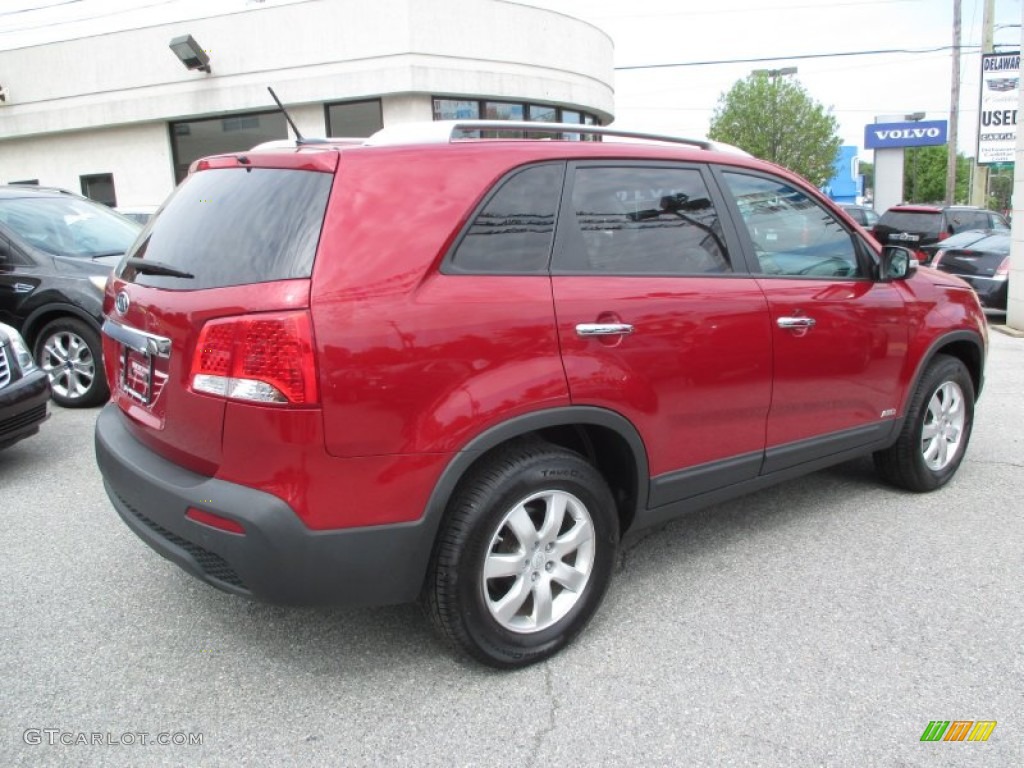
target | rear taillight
x=943, y=235
x=1003, y=270
x=262, y=358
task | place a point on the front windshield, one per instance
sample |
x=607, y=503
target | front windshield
x=68, y=226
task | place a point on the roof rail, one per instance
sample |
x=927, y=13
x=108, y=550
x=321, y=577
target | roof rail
x=446, y=131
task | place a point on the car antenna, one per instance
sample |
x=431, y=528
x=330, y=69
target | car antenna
x=299, y=138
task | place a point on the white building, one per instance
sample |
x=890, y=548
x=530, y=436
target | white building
x=119, y=117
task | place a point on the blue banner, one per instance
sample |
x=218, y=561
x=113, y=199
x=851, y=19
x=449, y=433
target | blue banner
x=924, y=133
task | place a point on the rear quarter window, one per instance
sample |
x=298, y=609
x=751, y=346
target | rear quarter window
x=962, y=221
x=235, y=226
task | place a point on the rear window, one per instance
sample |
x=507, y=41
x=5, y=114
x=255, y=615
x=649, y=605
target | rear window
x=993, y=244
x=235, y=226
x=918, y=222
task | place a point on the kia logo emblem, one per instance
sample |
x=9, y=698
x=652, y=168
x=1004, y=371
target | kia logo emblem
x=121, y=302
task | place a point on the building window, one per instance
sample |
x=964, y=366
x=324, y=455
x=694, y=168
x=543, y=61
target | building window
x=193, y=139
x=354, y=119
x=99, y=187
x=473, y=109
x=456, y=109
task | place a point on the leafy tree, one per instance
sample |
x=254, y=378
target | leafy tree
x=867, y=170
x=924, y=175
x=773, y=118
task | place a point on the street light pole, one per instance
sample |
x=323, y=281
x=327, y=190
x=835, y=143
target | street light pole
x=979, y=187
x=916, y=117
x=775, y=74
x=954, y=108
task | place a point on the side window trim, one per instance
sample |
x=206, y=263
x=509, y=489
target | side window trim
x=448, y=265
x=567, y=221
x=866, y=258
x=19, y=254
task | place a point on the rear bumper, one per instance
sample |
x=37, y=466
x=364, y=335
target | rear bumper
x=23, y=407
x=278, y=559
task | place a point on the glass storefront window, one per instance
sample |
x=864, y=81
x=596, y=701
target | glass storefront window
x=193, y=139
x=503, y=110
x=355, y=119
x=456, y=109
x=543, y=114
x=472, y=109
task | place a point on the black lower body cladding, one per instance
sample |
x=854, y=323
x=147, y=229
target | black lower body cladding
x=278, y=559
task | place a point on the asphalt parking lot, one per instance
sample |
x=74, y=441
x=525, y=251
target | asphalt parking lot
x=823, y=622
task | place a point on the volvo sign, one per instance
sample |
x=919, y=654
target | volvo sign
x=923, y=133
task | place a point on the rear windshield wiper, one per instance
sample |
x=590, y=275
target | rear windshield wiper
x=148, y=267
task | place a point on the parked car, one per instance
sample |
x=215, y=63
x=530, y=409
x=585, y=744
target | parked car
x=465, y=370
x=916, y=226
x=863, y=214
x=56, y=250
x=140, y=214
x=984, y=263
x=24, y=389
x=959, y=240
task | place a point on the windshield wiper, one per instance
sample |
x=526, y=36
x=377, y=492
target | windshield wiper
x=148, y=267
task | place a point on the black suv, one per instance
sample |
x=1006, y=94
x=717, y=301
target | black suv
x=56, y=250
x=913, y=226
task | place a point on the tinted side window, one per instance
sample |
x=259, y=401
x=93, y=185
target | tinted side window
x=961, y=221
x=791, y=233
x=633, y=221
x=512, y=233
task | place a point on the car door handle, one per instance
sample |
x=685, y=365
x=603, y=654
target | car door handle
x=604, y=329
x=795, y=322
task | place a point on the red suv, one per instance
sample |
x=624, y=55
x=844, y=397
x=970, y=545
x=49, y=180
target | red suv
x=463, y=369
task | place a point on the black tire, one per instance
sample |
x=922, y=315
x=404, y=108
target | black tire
x=519, y=485
x=70, y=352
x=919, y=463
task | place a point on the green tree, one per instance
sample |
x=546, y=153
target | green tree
x=773, y=118
x=867, y=170
x=924, y=175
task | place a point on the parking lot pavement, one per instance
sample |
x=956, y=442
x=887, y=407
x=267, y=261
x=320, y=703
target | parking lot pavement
x=824, y=622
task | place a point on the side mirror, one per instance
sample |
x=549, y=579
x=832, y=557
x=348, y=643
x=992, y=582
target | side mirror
x=898, y=263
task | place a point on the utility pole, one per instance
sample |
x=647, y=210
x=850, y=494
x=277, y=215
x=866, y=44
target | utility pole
x=954, y=108
x=979, y=190
x=774, y=75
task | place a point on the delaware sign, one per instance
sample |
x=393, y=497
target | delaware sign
x=924, y=133
x=997, y=116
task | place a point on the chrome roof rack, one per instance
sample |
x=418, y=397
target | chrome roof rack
x=446, y=131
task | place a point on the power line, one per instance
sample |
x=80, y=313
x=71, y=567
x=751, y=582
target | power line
x=39, y=8
x=689, y=12
x=65, y=22
x=795, y=58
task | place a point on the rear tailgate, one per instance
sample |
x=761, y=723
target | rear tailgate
x=236, y=240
